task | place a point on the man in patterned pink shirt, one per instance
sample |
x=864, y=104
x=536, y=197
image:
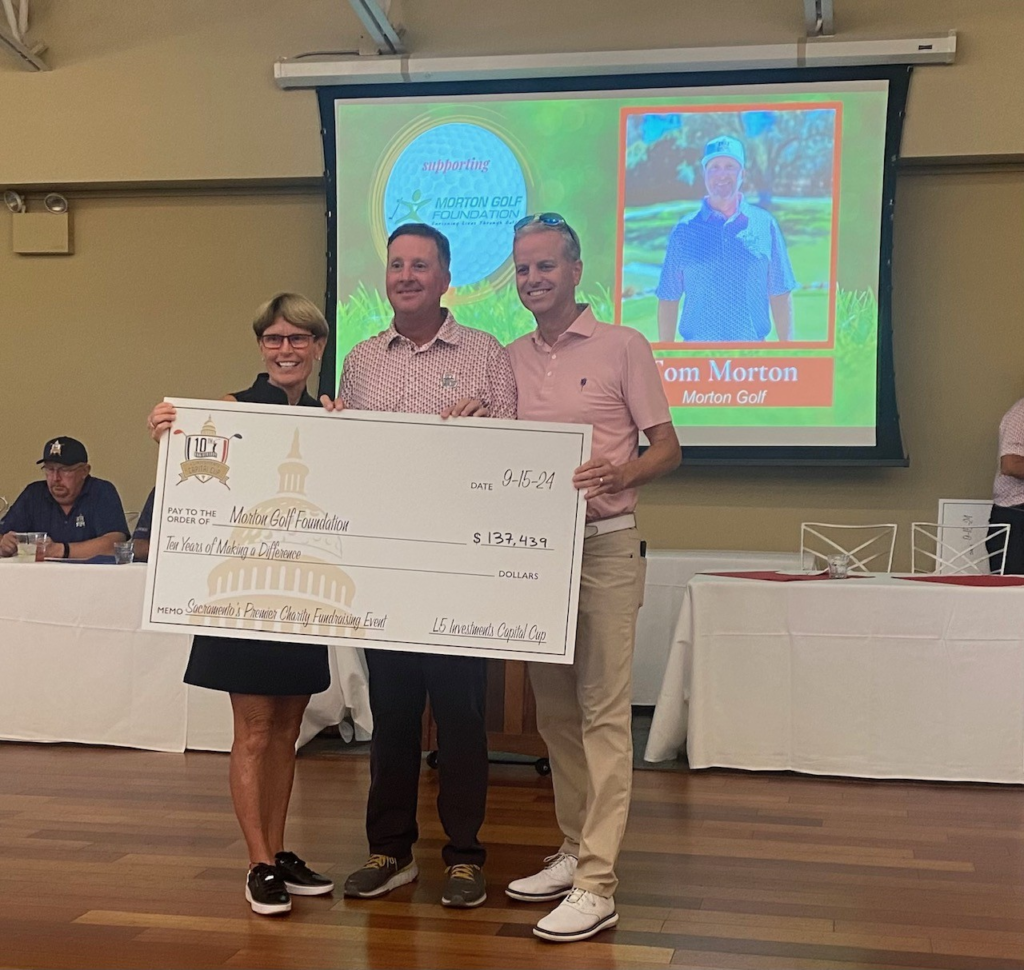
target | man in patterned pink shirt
x=425, y=363
x=1008, y=492
x=573, y=368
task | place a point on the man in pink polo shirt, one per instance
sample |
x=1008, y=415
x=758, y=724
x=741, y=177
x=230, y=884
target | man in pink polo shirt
x=425, y=363
x=572, y=368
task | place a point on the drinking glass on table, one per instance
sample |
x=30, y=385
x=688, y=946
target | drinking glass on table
x=124, y=553
x=838, y=566
x=31, y=546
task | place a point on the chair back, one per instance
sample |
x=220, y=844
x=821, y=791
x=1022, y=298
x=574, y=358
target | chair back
x=958, y=549
x=870, y=547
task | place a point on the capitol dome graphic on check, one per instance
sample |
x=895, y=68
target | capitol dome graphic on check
x=293, y=573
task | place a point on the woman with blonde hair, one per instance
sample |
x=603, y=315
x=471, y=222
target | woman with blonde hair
x=269, y=683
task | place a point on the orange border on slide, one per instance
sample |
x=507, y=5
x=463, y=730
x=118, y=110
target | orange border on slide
x=735, y=108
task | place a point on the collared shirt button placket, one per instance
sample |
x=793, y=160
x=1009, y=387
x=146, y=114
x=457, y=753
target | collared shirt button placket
x=408, y=359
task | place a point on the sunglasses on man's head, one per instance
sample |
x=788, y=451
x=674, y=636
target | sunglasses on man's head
x=552, y=219
x=548, y=218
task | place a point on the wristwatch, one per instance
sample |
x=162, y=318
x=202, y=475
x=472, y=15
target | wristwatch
x=67, y=551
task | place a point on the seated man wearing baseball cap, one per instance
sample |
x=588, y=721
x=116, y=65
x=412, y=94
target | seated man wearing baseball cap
x=82, y=515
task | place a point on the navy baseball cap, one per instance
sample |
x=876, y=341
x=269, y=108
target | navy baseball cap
x=724, y=145
x=64, y=451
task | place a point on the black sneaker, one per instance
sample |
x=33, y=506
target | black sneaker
x=464, y=888
x=380, y=875
x=299, y=879
x=264, y=889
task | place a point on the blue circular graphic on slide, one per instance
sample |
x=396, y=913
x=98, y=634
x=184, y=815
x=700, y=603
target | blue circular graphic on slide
x=465, y=181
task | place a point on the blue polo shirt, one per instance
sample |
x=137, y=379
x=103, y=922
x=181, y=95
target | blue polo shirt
x=96, y=511
x=727, y=268
x=145, y=524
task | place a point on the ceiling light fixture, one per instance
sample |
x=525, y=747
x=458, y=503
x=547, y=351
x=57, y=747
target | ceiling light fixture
x=56, y=203
x=14, y=201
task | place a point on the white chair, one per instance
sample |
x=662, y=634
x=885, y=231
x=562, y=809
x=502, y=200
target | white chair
x=956, y=549
x=870, y=547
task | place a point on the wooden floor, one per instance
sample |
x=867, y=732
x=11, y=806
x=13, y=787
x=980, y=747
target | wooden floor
x=120, y=858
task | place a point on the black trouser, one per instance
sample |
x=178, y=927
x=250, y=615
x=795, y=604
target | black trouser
x=1013, y=516
x=399, y=685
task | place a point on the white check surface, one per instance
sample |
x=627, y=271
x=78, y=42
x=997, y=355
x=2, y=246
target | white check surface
x=395, y=531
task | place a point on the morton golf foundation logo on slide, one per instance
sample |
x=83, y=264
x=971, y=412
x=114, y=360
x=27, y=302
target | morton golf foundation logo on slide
x=466, y=181
x=206, y=455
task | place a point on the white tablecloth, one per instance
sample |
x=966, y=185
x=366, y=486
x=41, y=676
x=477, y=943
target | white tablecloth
x=668, y=572
x=74, y=666
x=878, y=677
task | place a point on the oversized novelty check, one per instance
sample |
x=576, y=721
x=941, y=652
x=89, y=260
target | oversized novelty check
x=397, y=531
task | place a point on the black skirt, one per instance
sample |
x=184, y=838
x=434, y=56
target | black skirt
x=258, y=666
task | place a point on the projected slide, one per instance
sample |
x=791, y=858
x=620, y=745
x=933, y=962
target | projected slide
x=737, y=228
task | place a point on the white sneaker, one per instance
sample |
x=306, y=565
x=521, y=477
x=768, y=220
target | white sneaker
x=577, y=917
x=553, y=881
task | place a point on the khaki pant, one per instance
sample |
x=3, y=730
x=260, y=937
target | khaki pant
x=584, y=712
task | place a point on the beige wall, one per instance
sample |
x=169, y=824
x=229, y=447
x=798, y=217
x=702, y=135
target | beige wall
x=158, y=295
x=150, y=89
x=158, y=299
